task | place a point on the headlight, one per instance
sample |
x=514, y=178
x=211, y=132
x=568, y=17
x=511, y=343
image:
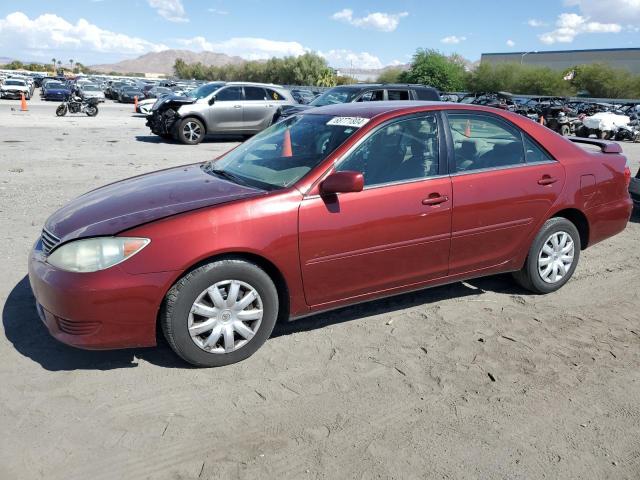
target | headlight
x=93, y=254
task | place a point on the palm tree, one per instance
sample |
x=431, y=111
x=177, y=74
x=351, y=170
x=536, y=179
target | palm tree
x=71, y=63
x=53, y=60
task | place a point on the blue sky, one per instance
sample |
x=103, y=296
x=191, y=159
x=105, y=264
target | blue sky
x=369, y=34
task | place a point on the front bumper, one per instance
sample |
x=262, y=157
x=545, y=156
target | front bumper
x=163, y=121
x=14, y=94
x=102, y=310
x=634, y=190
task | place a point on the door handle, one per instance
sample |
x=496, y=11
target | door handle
x=237, y=106
x=435, y=199
x=547, y=180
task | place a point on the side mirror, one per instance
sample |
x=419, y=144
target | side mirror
x=342, y=182
x=212, y=100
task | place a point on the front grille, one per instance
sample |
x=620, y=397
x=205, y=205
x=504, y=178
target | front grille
x=77, y=328
x=49, y=241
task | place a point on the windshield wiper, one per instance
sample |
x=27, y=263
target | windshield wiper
x=227, y=175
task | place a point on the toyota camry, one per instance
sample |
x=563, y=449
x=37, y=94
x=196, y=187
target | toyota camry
x=334, y=206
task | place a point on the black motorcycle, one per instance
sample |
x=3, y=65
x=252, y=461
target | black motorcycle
x=78, y=105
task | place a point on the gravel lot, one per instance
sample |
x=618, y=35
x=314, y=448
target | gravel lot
x=400, y=388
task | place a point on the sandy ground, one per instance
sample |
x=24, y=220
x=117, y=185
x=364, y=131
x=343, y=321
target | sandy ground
x=475, y=380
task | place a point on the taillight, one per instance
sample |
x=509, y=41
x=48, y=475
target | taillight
x=627, y=175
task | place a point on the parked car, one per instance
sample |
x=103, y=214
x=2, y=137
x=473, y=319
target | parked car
x=366, y=93
x=145, y=106
x=129, y=94
x=218, y=107
x=90, y=90
x=634, y=189
x=302, y=96
x=14, y=88
x=55, y=90
x=335, y=206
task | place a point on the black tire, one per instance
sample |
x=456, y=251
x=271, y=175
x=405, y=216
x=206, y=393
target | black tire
x=529, y=277
x=61, y=111
x=582, y=132
x=27, y=96
x=180, y=299
x=565, y=131
x=92, y=111
x=195, y=124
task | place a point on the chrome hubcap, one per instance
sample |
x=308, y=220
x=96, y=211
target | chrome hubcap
x=225, y=316
x=192, y=131
x=556, y=257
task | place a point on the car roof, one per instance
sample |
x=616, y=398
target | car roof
x=371, y=109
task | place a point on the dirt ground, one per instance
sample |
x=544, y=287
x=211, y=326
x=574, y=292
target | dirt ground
x=472, y=380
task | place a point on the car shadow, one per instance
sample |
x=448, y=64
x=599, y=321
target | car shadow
x=23, y=328
x=208, y=139
x=635, y=216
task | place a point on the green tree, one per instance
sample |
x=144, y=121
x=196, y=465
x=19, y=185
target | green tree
x=390, y=75
x=603, y=81
x=430, y=67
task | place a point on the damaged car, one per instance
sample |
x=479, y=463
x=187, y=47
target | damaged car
x=218, y=107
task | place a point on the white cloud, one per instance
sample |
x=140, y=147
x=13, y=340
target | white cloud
x=342, y=58
x=172, y=10
x=249, y=48
x=609, y=11
x=570, y=25
x=536, y=23
x=217, y=11
x=384, y=22
x=50, y=32
x=453, y=39
x=511, y=43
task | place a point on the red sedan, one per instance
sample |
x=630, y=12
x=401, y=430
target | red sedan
x=339, y=205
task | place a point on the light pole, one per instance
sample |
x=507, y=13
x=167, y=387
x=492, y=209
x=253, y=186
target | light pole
x=525, y=54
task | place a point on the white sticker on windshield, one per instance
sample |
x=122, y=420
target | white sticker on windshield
x=348, y=121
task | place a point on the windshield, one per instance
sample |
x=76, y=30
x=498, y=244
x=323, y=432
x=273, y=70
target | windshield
x=55, y=85
x=335, y=95
x=205, y=90
x=283, y=153
x=15, y=82
x=90, y=88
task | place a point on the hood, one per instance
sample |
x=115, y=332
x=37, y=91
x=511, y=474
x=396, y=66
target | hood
x=288, y=110
x=14, y=87
x=126, y=204
x=57, y=90
x=173, y=100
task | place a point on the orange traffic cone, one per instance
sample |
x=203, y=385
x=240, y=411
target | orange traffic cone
x=135, y=103
x=287, y=151
x=23, y=103
x=467, y=130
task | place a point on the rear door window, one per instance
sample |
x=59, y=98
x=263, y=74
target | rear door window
x=482, y=141
x=398, y=94
x=254, y=93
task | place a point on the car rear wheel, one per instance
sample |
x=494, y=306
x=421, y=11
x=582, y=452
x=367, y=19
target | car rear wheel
x=191, y=131
x=553, y=257
x=220, y=313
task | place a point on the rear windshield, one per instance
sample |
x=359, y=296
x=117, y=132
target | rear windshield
x=15, y=82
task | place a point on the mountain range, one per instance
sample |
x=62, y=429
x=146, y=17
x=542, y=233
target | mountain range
x=162, y=62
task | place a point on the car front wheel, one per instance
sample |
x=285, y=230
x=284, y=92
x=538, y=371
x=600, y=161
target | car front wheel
x=191, y=131
x=220, y=313
x=552, y=258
